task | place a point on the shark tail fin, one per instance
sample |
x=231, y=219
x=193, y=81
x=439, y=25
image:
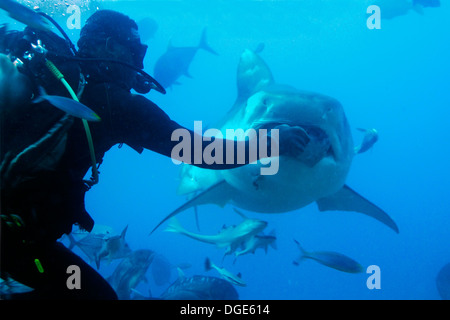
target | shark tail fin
x=204, y=44
x=299, y=246
x=302, y=256
x=175, y=226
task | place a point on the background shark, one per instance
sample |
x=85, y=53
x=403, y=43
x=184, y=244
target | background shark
x=317, y=175
x=393, y=8
x=175, y=62
x=130, y=272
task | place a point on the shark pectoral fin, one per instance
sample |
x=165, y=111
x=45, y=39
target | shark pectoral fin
x=218, y=193
x=348, y=200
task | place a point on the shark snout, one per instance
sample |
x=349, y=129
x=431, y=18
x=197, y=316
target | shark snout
x=259, y=225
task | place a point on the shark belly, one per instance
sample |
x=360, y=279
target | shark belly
x=294, y=186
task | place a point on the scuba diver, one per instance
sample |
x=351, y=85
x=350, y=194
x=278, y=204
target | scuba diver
x=37, y=211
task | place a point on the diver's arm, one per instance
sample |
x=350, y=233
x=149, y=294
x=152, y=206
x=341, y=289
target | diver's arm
x=153, y=129
x=219, y=153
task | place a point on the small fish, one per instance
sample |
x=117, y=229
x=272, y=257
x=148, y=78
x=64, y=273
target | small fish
x=229, y=237
x=101, y=245
x=262, y=241
x=330, y=259
x=370, y=137
x=10, y=286
x=113, y=248
x=70, y=106
x=227, y=275
x=90, y=244
x=175, y=62
x=130, y=272
x=25, y=15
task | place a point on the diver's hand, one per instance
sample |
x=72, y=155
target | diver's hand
x=292, y=140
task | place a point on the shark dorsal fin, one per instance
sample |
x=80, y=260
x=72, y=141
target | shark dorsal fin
x=252, y=75
x=124, y=232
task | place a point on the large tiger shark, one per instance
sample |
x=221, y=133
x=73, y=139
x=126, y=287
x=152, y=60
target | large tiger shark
x=317, y=175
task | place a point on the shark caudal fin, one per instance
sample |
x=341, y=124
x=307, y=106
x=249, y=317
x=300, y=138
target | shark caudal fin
x=216, y=194
x=348, y=200
x=302, y=256
x=175, y=226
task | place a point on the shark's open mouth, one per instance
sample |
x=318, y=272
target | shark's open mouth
x=318, y=147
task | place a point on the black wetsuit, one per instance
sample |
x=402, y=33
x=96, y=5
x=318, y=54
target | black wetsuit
x=52, y=203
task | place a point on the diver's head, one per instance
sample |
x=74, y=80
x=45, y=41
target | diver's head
x=113, y=35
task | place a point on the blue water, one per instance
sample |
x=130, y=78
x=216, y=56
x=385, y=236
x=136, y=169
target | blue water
x=394, y=79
